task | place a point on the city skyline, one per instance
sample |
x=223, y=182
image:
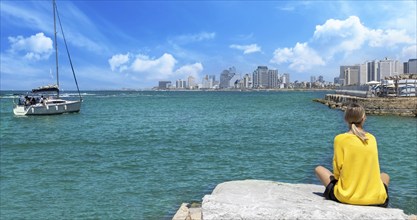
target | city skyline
x=135, y=44
x=375, y=70
x=261, y=78
x=264, y=78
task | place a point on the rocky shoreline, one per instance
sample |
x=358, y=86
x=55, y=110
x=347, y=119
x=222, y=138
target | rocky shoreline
x=401, y=106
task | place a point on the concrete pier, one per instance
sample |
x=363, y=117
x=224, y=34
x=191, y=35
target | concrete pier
x=402, y=106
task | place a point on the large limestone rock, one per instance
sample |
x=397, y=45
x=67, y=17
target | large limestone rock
x=258, y=199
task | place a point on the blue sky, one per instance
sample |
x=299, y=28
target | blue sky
x=134, y=44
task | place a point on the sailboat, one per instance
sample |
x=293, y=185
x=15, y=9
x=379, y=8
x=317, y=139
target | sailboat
x=46, y=100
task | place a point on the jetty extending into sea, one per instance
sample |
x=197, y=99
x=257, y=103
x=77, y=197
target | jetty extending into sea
x=401, y=106
x=397, y=96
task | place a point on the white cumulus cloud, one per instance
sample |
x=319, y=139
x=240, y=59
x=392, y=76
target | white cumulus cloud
x=247, y=49
x=189, y=70
x=119, y=60
x=342, y=38
x=340, y=35
x=388, y=38
x=301, y=57
x=159, y=68
x=350, y=34
x=146, y=68
x=35, y=47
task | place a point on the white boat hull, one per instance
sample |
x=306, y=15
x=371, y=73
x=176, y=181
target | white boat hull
x=48, y=109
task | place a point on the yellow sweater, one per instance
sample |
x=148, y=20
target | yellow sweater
x=356, y=166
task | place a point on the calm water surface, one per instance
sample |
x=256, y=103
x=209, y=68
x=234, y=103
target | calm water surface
x=139, y=155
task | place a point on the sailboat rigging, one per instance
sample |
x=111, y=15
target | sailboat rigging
x=45, y=100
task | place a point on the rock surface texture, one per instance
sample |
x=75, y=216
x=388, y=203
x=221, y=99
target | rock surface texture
x=258, y=199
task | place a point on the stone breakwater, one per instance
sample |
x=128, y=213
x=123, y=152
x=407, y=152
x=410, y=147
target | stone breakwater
x=402, y=106
x=260, y=199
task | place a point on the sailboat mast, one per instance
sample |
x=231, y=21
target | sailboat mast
x=56, y=46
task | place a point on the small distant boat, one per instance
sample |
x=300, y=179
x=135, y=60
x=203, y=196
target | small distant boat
x=45, y=100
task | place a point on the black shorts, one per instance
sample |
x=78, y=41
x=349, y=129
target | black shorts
x=329, y=193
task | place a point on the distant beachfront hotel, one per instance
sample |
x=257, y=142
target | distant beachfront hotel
x=375, y=70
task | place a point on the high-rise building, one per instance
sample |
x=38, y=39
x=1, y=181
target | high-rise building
x=264, y=78
x=285, y=79
x=343, y=81
x=321, y=79
x=352, y=75
x=260, y=77
x=212, y=78
x=342, y=75
x=372, y=71
x=164, y=84
x=412, y=66
x=247, y=81
x=405, y=67
x=225, y=78
x=363, y=74
x=399, y=67
x=273, y=79
x=208, y=82
x=349, y=75
x=181, y=84
x=234, y=81
x=387, y=68
x=313, y=79
x=191, y=82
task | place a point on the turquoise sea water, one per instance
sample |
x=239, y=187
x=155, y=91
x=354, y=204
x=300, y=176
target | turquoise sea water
x=139, y=155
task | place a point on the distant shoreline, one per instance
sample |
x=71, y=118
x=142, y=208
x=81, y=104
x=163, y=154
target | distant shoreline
x=183, y=90
x=241, y=90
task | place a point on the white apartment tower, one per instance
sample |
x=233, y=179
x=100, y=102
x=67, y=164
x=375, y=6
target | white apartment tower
x=260, y=77
x=352, y=75
x=181, y=84
x=349, y=75
x=191, y=82
x=387, y=68
x=369, y=71
x=208, y=81
x=285, y=78
x=273, y=79
x=264, y=78
x=247, y=81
